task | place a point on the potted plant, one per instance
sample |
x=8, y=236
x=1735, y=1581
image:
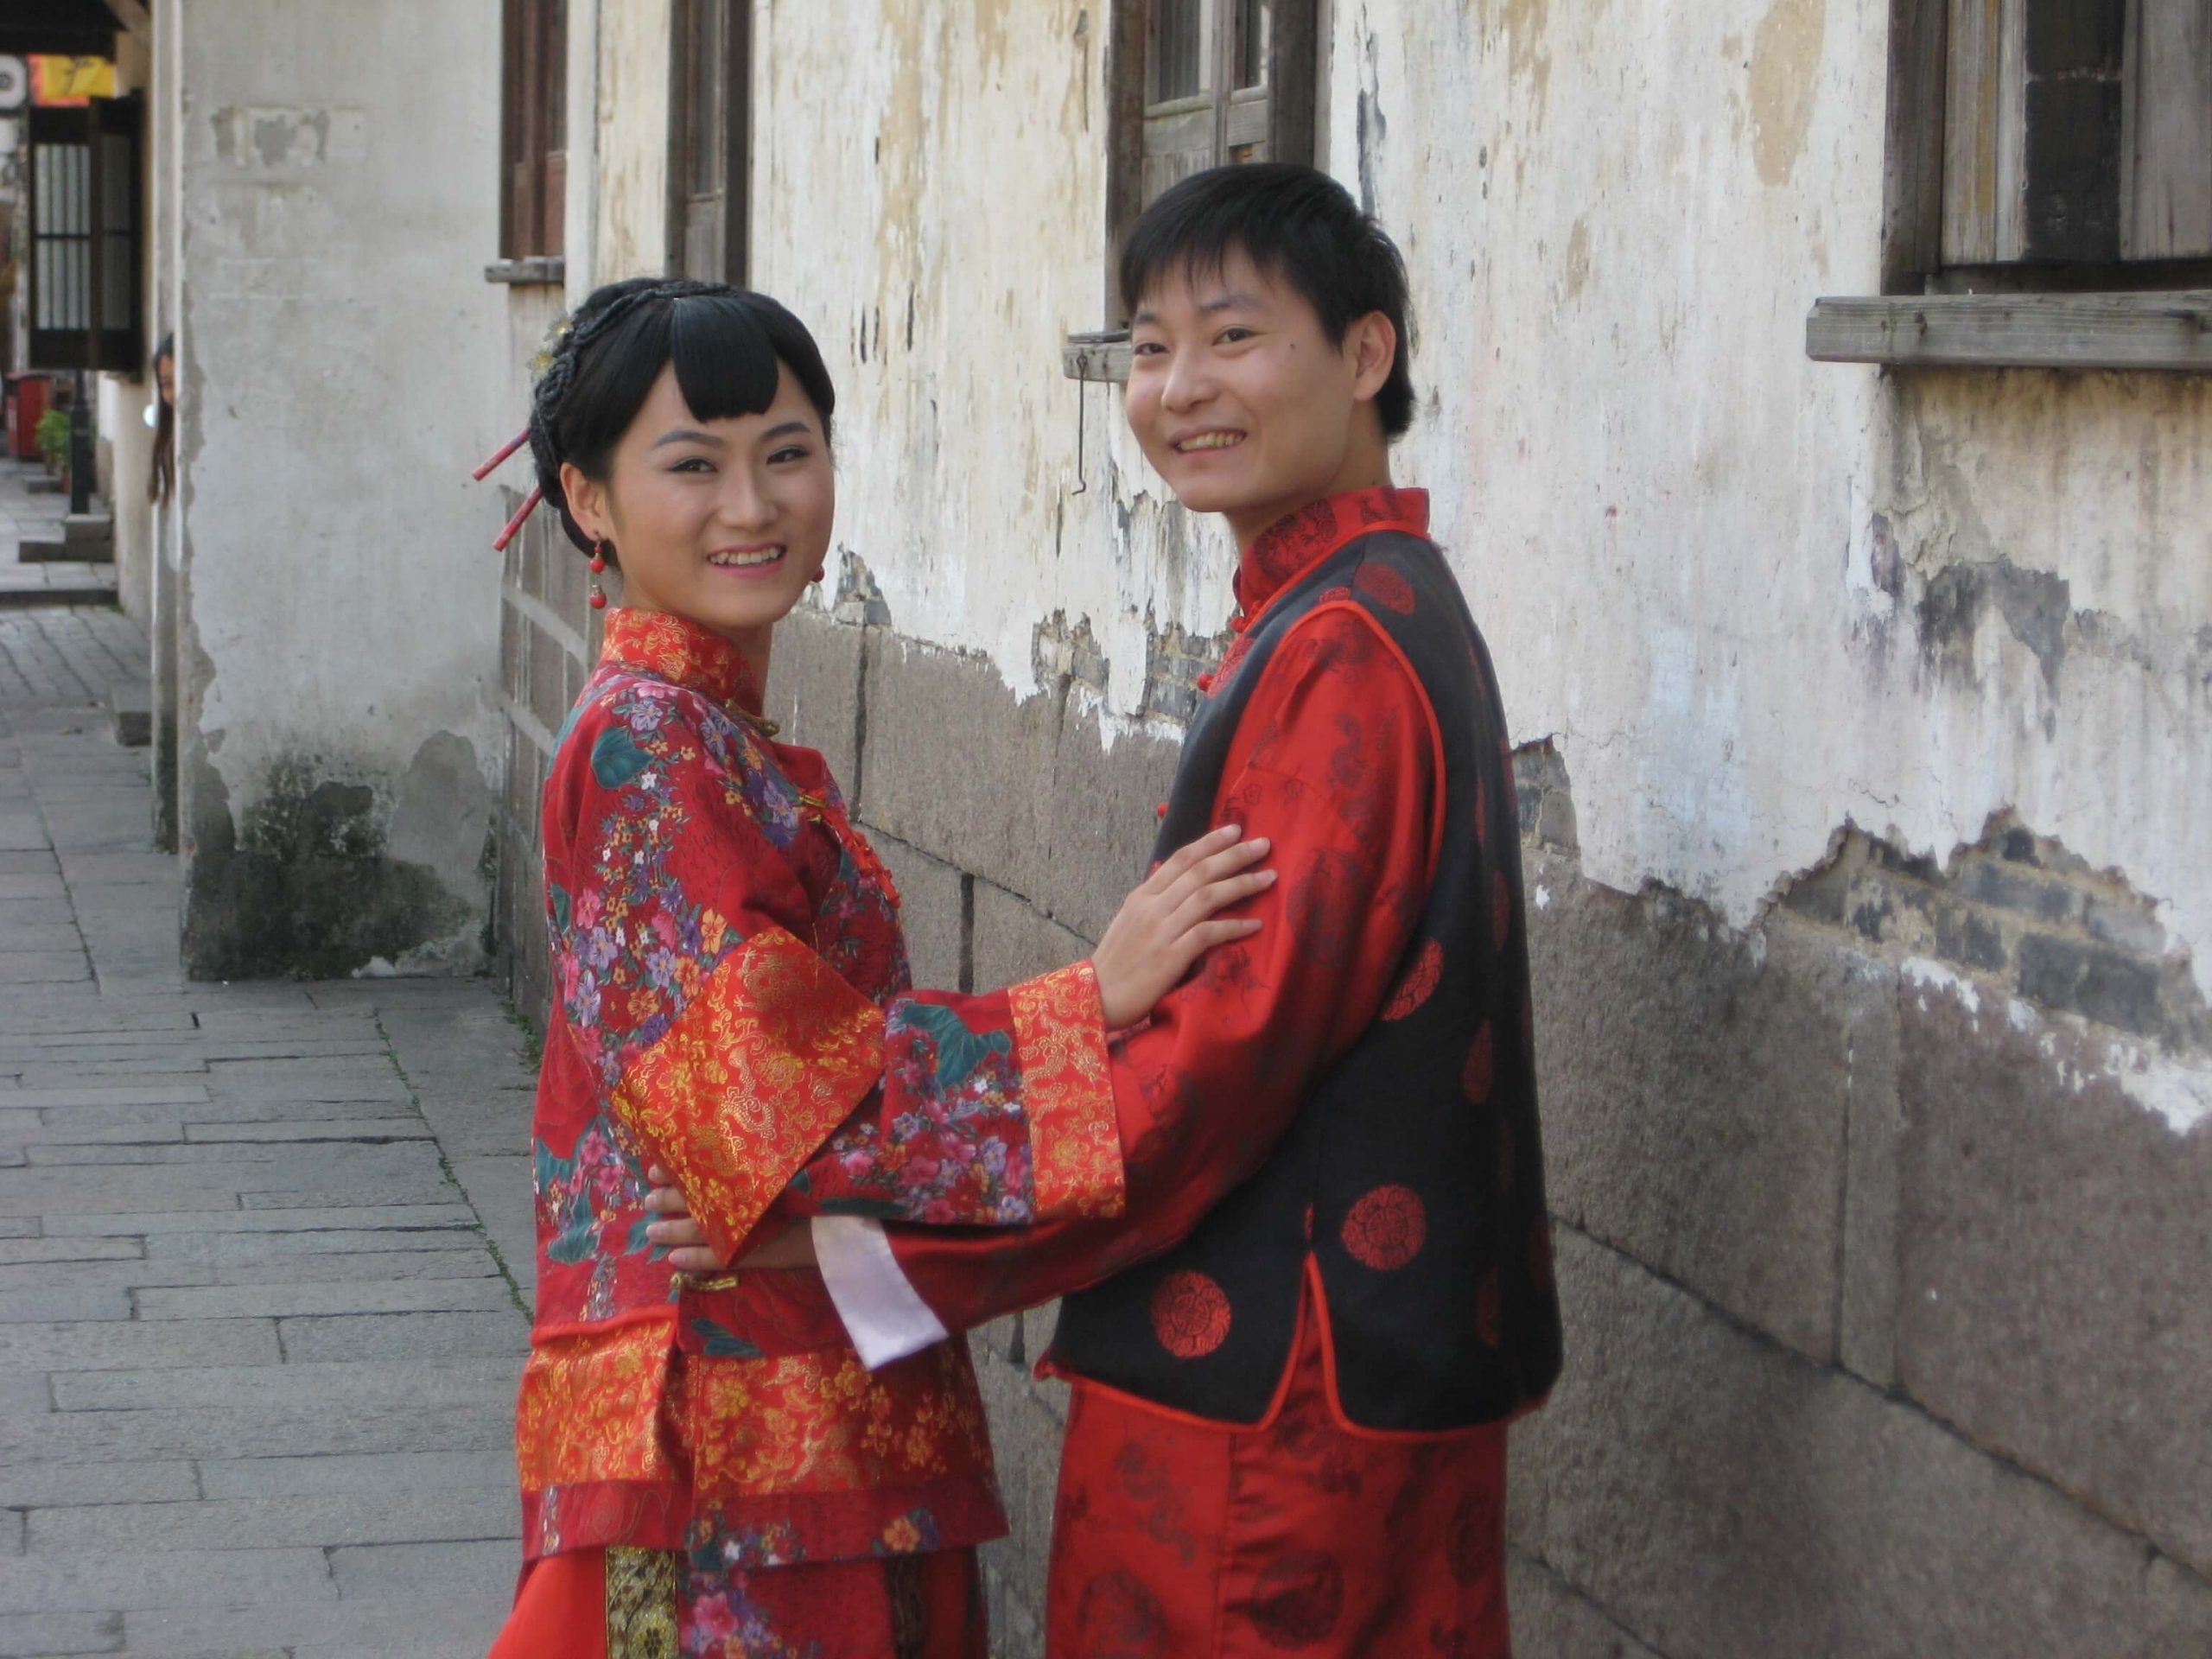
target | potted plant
x=52, y=436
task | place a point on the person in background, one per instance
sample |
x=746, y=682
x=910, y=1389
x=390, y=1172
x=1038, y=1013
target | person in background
x=160, y=481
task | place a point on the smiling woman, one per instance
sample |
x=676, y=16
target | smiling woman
x=707, y=1466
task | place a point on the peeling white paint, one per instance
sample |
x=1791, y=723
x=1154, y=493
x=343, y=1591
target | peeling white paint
x=1931, y=975
x=1701, y=560
x=2180, y=1094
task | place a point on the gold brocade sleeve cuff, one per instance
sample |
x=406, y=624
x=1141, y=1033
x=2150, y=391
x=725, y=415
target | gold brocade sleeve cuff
x=1074, y=1140
x=774, y=1052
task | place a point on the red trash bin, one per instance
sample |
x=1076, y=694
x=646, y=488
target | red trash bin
x=29, y=395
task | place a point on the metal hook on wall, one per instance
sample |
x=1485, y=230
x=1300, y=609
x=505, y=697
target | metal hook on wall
x=1081, y=409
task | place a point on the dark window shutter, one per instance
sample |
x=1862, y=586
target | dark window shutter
x=84, y=237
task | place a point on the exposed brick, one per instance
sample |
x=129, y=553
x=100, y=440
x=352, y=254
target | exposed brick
x=1963, y=937
x=2083, y=979
x=2006, y=886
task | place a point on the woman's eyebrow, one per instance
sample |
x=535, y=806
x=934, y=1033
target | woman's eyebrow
x=787, y=429
x=685, y=435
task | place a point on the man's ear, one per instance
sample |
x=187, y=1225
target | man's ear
x=1372, y=345
x=586, y=501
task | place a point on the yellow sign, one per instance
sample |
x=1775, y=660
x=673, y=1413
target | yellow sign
x=71, y=80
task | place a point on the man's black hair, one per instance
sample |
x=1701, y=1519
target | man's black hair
x=727, y=344
x=1297, y=225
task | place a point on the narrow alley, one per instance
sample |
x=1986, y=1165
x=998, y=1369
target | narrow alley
x=260, y=1316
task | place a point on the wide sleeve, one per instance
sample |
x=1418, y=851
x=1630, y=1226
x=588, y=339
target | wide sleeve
x=728, y=1050
x=1336, y=759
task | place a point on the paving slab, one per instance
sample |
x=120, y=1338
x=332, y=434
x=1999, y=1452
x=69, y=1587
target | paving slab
x=435, y=1513
x=257, y=1352
x=492, y=1470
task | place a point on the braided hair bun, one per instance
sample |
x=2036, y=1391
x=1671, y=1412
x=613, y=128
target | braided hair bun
x=730, y=347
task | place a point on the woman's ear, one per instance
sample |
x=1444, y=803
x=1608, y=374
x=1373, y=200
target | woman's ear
x=1373, y=344
x=586, y=501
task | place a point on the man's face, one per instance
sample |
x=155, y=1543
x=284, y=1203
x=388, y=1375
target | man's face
x=1237, y=395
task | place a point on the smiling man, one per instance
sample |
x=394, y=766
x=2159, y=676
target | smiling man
x=1295, y=1356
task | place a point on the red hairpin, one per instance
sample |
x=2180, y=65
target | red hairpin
x=504, y=450
x=529, y=505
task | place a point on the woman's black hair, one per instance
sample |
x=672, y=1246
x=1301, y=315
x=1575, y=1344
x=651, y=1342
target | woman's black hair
x=160, y=480
x=727, y=344
x=1294, y=223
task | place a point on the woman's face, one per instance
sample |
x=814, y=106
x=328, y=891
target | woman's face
x=722, y=522
x=165, y=377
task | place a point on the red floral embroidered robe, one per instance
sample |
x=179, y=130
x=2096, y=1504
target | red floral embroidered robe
x=1176, y=1536
x=731, y=989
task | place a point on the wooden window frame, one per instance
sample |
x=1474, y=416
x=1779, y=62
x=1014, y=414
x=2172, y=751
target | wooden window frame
x=533, y=143
x=84, y=227
x=1291, y=79
x=2143, y=312
x=736, y=91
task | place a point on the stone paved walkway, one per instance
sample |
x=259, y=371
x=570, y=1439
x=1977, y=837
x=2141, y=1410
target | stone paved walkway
x=26, y=515
x=258, y=1336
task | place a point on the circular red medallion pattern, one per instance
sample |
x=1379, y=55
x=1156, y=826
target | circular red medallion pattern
x=1297, y=1599
x=1420, y=982
x=1386, y=587
x=1474, y=1076
x=1387, y=1228
x=1119, y=1619
x=1189, y=1315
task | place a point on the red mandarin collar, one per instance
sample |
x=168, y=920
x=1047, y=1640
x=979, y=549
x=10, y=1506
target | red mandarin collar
x=678, y=649
x=1287, y=549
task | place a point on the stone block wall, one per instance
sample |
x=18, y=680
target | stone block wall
x=549, y=638
x=1883, y=1235
x=1886, y=1319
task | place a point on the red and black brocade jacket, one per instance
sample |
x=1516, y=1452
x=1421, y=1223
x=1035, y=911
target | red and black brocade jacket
x=731, y=995
x=1337, y=754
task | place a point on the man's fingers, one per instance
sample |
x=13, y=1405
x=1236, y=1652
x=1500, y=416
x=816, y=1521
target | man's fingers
x=667, y=1201
x=694, y=1259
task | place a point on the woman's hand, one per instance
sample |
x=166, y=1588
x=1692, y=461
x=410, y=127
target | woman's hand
x=1170, y=922
x=685, y=1240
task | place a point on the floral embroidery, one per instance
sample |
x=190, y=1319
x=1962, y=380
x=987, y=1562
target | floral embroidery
x=641, y=1610
x=731, y=992
x=767, y=1060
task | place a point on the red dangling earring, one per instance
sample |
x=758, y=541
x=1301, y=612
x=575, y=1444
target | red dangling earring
x=598, y=569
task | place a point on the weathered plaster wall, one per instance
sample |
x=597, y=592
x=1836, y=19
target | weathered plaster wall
x=629, y=231
x=1693, y=546
x=337, y=650
x=1863, y=726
